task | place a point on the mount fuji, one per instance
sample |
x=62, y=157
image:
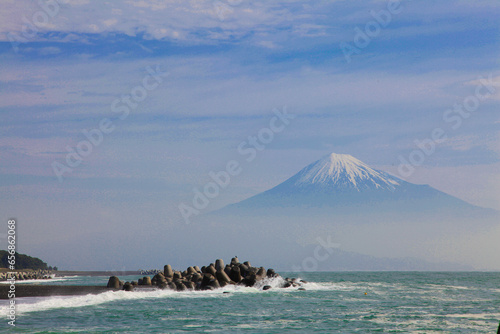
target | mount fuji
x=379, y=221
x=344, y=184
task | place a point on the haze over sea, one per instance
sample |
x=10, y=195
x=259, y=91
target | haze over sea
x=334, y=302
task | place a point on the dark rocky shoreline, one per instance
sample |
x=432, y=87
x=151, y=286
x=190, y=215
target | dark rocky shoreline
x=214, y=276
x=21, y=275
x=211, y=277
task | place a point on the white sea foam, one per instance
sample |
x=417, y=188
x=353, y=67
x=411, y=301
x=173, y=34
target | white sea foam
x=485, y=316
x=35, y=304
x=31, y=281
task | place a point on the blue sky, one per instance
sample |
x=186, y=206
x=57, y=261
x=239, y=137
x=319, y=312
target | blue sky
x=229, y=64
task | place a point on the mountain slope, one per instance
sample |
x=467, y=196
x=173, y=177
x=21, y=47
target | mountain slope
x=369, y=213
x=344, y=183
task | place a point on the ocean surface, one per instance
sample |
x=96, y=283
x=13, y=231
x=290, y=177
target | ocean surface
x=340, y=302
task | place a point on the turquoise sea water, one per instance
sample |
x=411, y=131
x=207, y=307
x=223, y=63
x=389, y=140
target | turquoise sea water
x=395, y=302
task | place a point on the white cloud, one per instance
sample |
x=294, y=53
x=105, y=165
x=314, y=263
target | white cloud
x=494, y=144
x=491, y=84
x=110, y=22
x=51, y=50
x=267, y=44
x=225, y=88
x=462, y=143
x=160, y=19
x=465, y=143
x=34, y=147
x=310, y=30
x=264, y=23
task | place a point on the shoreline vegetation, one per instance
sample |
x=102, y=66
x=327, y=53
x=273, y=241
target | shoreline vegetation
x=23, y=261
x=211, y=277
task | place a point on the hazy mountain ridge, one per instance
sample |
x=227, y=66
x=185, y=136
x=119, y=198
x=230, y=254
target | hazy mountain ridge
x=342, y=182
x=402, y=226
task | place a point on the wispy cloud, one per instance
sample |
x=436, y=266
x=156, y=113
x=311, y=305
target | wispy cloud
x=199, y=21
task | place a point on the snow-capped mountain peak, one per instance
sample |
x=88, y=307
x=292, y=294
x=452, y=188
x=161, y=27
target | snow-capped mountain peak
x=343, y=171
x=342, y=185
